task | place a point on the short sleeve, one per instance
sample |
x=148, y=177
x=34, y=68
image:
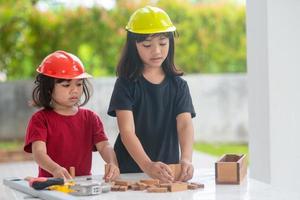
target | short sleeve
x=184, y=100
x=36, y=130
x=98, y=129
x=121, y=98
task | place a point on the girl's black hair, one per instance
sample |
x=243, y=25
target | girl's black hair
x=130, y=65
x=42, y=92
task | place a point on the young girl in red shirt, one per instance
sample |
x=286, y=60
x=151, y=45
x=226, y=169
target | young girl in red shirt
x=63, y=134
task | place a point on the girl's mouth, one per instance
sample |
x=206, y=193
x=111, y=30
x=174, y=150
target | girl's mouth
x=156, y=59
x=74, y=98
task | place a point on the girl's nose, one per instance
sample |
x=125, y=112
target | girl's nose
x=156, y=48
x=74, y=89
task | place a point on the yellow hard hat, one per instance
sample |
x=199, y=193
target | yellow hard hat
x=148, y=20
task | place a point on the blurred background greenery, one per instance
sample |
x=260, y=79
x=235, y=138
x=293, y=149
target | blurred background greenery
x=211, y=34
x=211, y=39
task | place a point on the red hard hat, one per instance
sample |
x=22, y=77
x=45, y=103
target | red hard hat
x=64, y=65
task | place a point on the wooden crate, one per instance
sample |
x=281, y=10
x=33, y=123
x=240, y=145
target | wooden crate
x=231, y=169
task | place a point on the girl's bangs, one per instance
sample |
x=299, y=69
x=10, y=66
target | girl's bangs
x=60, y=80
x=142, y=37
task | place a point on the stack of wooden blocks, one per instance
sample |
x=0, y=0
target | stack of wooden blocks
x=154, y=185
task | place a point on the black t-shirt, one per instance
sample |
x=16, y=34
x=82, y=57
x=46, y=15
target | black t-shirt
x=154, y=108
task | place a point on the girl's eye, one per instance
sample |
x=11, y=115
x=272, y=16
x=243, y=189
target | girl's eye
x=163, y=44
x=65, y=85
x=79, y=84
x=146, y=45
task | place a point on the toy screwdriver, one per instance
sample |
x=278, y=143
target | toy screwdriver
x=43, y=182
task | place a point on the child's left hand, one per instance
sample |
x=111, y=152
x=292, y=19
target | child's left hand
x=187, y=170
x=111, y=173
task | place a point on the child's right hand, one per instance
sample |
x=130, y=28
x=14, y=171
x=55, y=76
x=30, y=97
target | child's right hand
x=159, y=170
x=112, y=172
x=61, y=172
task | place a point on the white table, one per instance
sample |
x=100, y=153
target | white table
x=248, y=189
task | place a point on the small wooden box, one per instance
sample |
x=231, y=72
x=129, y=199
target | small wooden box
x=230, y=169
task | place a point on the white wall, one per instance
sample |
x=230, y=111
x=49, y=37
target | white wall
x=258, y=89
x=220, y=102
x=273, y=32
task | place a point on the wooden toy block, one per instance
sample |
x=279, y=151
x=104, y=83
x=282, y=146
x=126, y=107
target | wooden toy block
x=135, y=187
x=166, y=185
x=175, y=187
x=157, y=189
x=142, y=186
x=150, y=181
x=176, y=170
x=123, y=188
x=115, y=188
x=230, y=169
x=153, y=185
x=105, y=168
x=72, y=172
x=123, y=182
x=131, y=184
x=194, y=186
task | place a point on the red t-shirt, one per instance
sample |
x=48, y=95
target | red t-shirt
x=70, y=140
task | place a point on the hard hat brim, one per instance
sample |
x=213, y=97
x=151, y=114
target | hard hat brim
x=151, y=31
x=81, y=76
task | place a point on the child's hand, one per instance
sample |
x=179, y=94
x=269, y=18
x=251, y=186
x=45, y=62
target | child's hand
x=187, y=170
x=61, y=172
x=159, y=170
x=112, y=172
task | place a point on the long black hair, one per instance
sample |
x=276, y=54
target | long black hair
x=42, y=92
x=130, y=65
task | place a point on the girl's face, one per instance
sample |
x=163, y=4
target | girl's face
x=153, y=50
x=67, y=93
